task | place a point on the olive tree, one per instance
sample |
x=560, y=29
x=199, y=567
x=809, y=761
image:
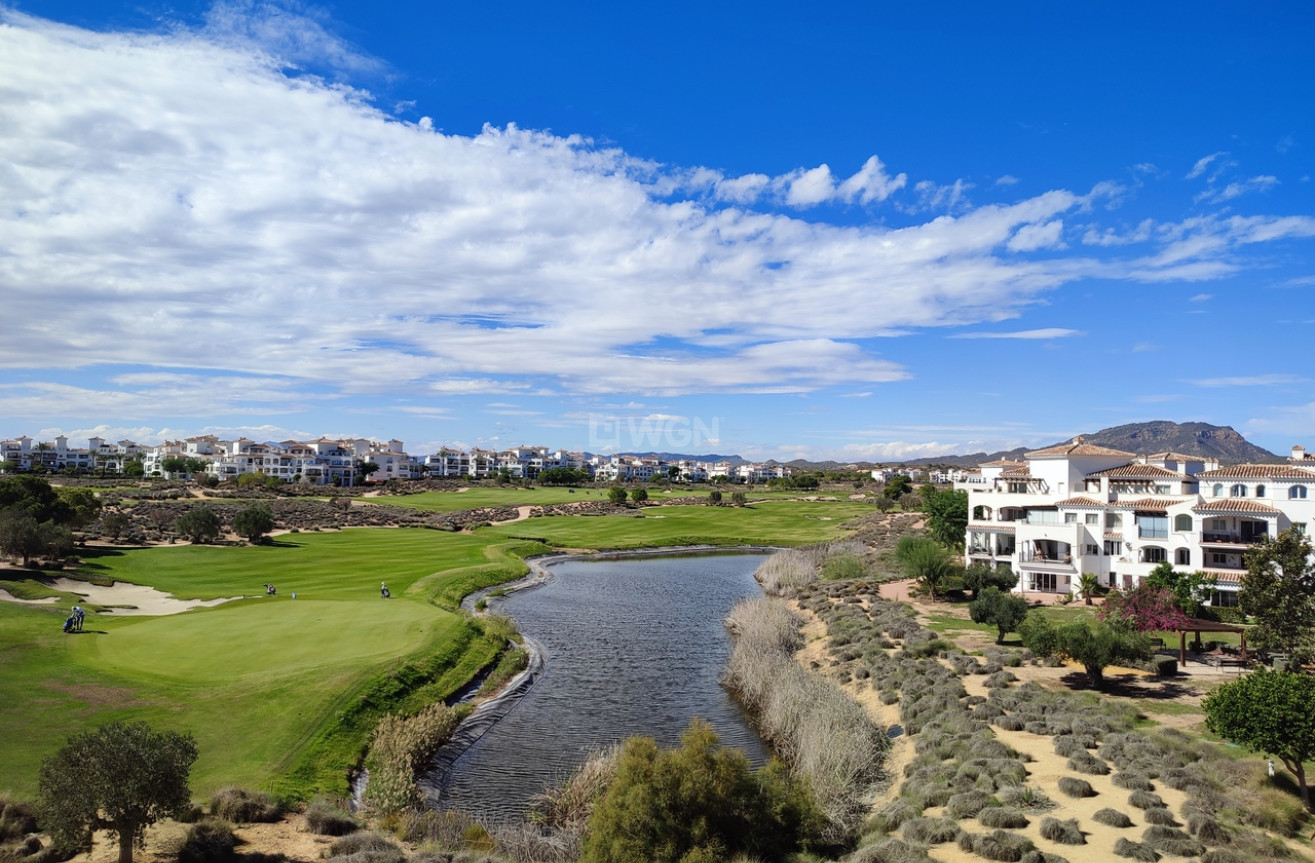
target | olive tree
x=1094, y=646
x=199, y=525
x=1271, y=712
x=1278, y=590
x=1004, y=610
x=121, y=778
x=253, y=523
x=616, y=494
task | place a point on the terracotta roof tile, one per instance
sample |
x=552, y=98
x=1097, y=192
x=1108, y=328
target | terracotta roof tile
x=1176, y=456
x=1139, y=471
x=1230, y=576
x=1077, y=447
x=1235, y=504
x=1080, y=501
x=1259, y=471
x=1018, y=472
x=1150, y=504
x=1004, y=462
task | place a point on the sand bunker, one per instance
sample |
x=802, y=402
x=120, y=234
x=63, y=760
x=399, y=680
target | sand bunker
x=126, y=599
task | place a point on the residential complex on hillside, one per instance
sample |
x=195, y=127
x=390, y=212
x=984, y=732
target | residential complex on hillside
x=1079, y=508
x=325, y=461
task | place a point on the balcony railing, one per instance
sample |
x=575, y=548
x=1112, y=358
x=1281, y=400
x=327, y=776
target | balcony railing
x=1231, y=538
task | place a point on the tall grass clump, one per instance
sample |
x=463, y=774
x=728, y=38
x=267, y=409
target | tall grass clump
x=997, y=845
x=889, y=850
x=239, y=806
x=17, y=818
x=366, y=848
x=930, y=831
x=211, y=840
x=820, y=732
x=1002, y=817
x=1065, y=832
x=786, y=572
x=399, y=751
x=1135, y=851
x=1112, y=818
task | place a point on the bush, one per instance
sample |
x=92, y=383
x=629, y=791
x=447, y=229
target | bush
x=997, y=845
x=1133, y=781
x=1135, y=851
x=208, y=841
x=1159, y=815
x=968, y=803
x=445, y=828
x=327, y=817
x=366, y=848
x=1074, y=787
x=17, y=818
x=241, y=806
x=700, y=800
x=399, y=750
x=1168, y=840
x=889, y=817
x=1085, y=762
x=1064, y=832
x=997, y=817
x=1026, y=797
x=889, y=850
x=1144, y=800
x=1112, y=818
x=930, y=831
x=1207, y=830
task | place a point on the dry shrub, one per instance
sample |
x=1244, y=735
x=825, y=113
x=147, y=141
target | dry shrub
x=242, y=806
x=998, y=817
x=786, y=572
x=525, y=843
x=330, y=817
x=1159, y=815
x=1064, y=832
x=889, y=850
x=1085, y=762
x=1074, y=787
x=1274, y=810
x=445, y=828
x=1207, y=830
x=209, y=841
x=365, y=848
x=1168, y=840
x=889, y=817
x=1067, y=744
x=399, y=751
x=1011, y=722
x=997, y=845
x=968, y=803
x=1145, y=800
x=1135, y=851
x=570, y=805
x=1220, y=855
x=1112, y=818
x=930, y=831
x=1133, y=781
x=1026, y=797
x=1041, y=857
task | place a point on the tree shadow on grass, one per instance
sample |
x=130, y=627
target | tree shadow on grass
x=1133, y=686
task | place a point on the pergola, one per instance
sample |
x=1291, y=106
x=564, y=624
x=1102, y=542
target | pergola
x=1196, y=626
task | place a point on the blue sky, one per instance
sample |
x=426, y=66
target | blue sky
x=838, y=231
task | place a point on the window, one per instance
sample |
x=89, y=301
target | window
x=1182, y=523
x=1297, y=492
x=1299, y=528
x=1218, y=490
x=1218, y=559
x=1153, y=526
x=1238, y=490
x=1182, y=557
x=1070, y=518
x=1093, y=518
x=1219, y=524
x=1113, y=520
x=1153, y=554
x=1112, y=547
x=1260, y=490
x=1224, y=599
x=1162, y=489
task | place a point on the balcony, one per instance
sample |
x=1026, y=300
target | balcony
x=1213, y=537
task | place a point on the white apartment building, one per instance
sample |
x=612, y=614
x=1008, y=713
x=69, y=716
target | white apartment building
x=1079, y=508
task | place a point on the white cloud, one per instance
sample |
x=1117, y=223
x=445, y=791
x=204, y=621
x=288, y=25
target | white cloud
x=1201, y=298
x=1213, y=195
x=1249, y=381
x=1006, y=180
x=1203, y=164
x=179, y=199
x=1046, y=333
x=1095, y=236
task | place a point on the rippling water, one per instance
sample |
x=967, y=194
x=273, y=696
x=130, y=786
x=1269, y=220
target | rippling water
x=634, y=646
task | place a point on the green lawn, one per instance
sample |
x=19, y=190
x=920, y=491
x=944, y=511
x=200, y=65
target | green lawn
x=282, y=693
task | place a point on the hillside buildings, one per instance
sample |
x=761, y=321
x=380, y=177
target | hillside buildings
x=1079, y=508
x=327, y=461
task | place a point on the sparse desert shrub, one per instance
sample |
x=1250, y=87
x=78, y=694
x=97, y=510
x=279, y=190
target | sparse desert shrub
x=17, y=818
x=930, y=831
x=522, y=842
x=1112, y=818
x=569, y=805
x=1002, y=817
x=1159, y=815
x=1041, y=857
x=209, y=841
x=786, y=572
x=1074, y=787
x=968, y=803
x=889, y=817
x=1168, y=840
x=997, y=845
x=326, y=816
x=889, y=850
x=365, y=848
x=1064, y=832
x=1133, y=781
x=1207, y=830
x=1221, y=855
x=445, y=828
x=239, y=806
x=1085, y=762
x=1011, y=722
x=1272, y=809
x=1026, y=798
x=1135, y=851
x=400, y=749
x=1144, y=800
x=1067, y=744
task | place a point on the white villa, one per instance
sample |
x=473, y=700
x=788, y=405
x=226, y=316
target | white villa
x=1079, y=508
x=331, y=461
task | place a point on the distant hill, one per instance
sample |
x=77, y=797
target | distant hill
x=676, y=456
x=1203, y=439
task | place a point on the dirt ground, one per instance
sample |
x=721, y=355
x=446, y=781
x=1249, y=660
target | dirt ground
x=288, y=837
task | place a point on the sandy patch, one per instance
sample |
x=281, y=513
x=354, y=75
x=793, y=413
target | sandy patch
x=288, y=837
x=522, y=513
x=45, y=600
x=126, y=599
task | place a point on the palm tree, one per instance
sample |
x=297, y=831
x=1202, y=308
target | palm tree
x=1088, y=584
